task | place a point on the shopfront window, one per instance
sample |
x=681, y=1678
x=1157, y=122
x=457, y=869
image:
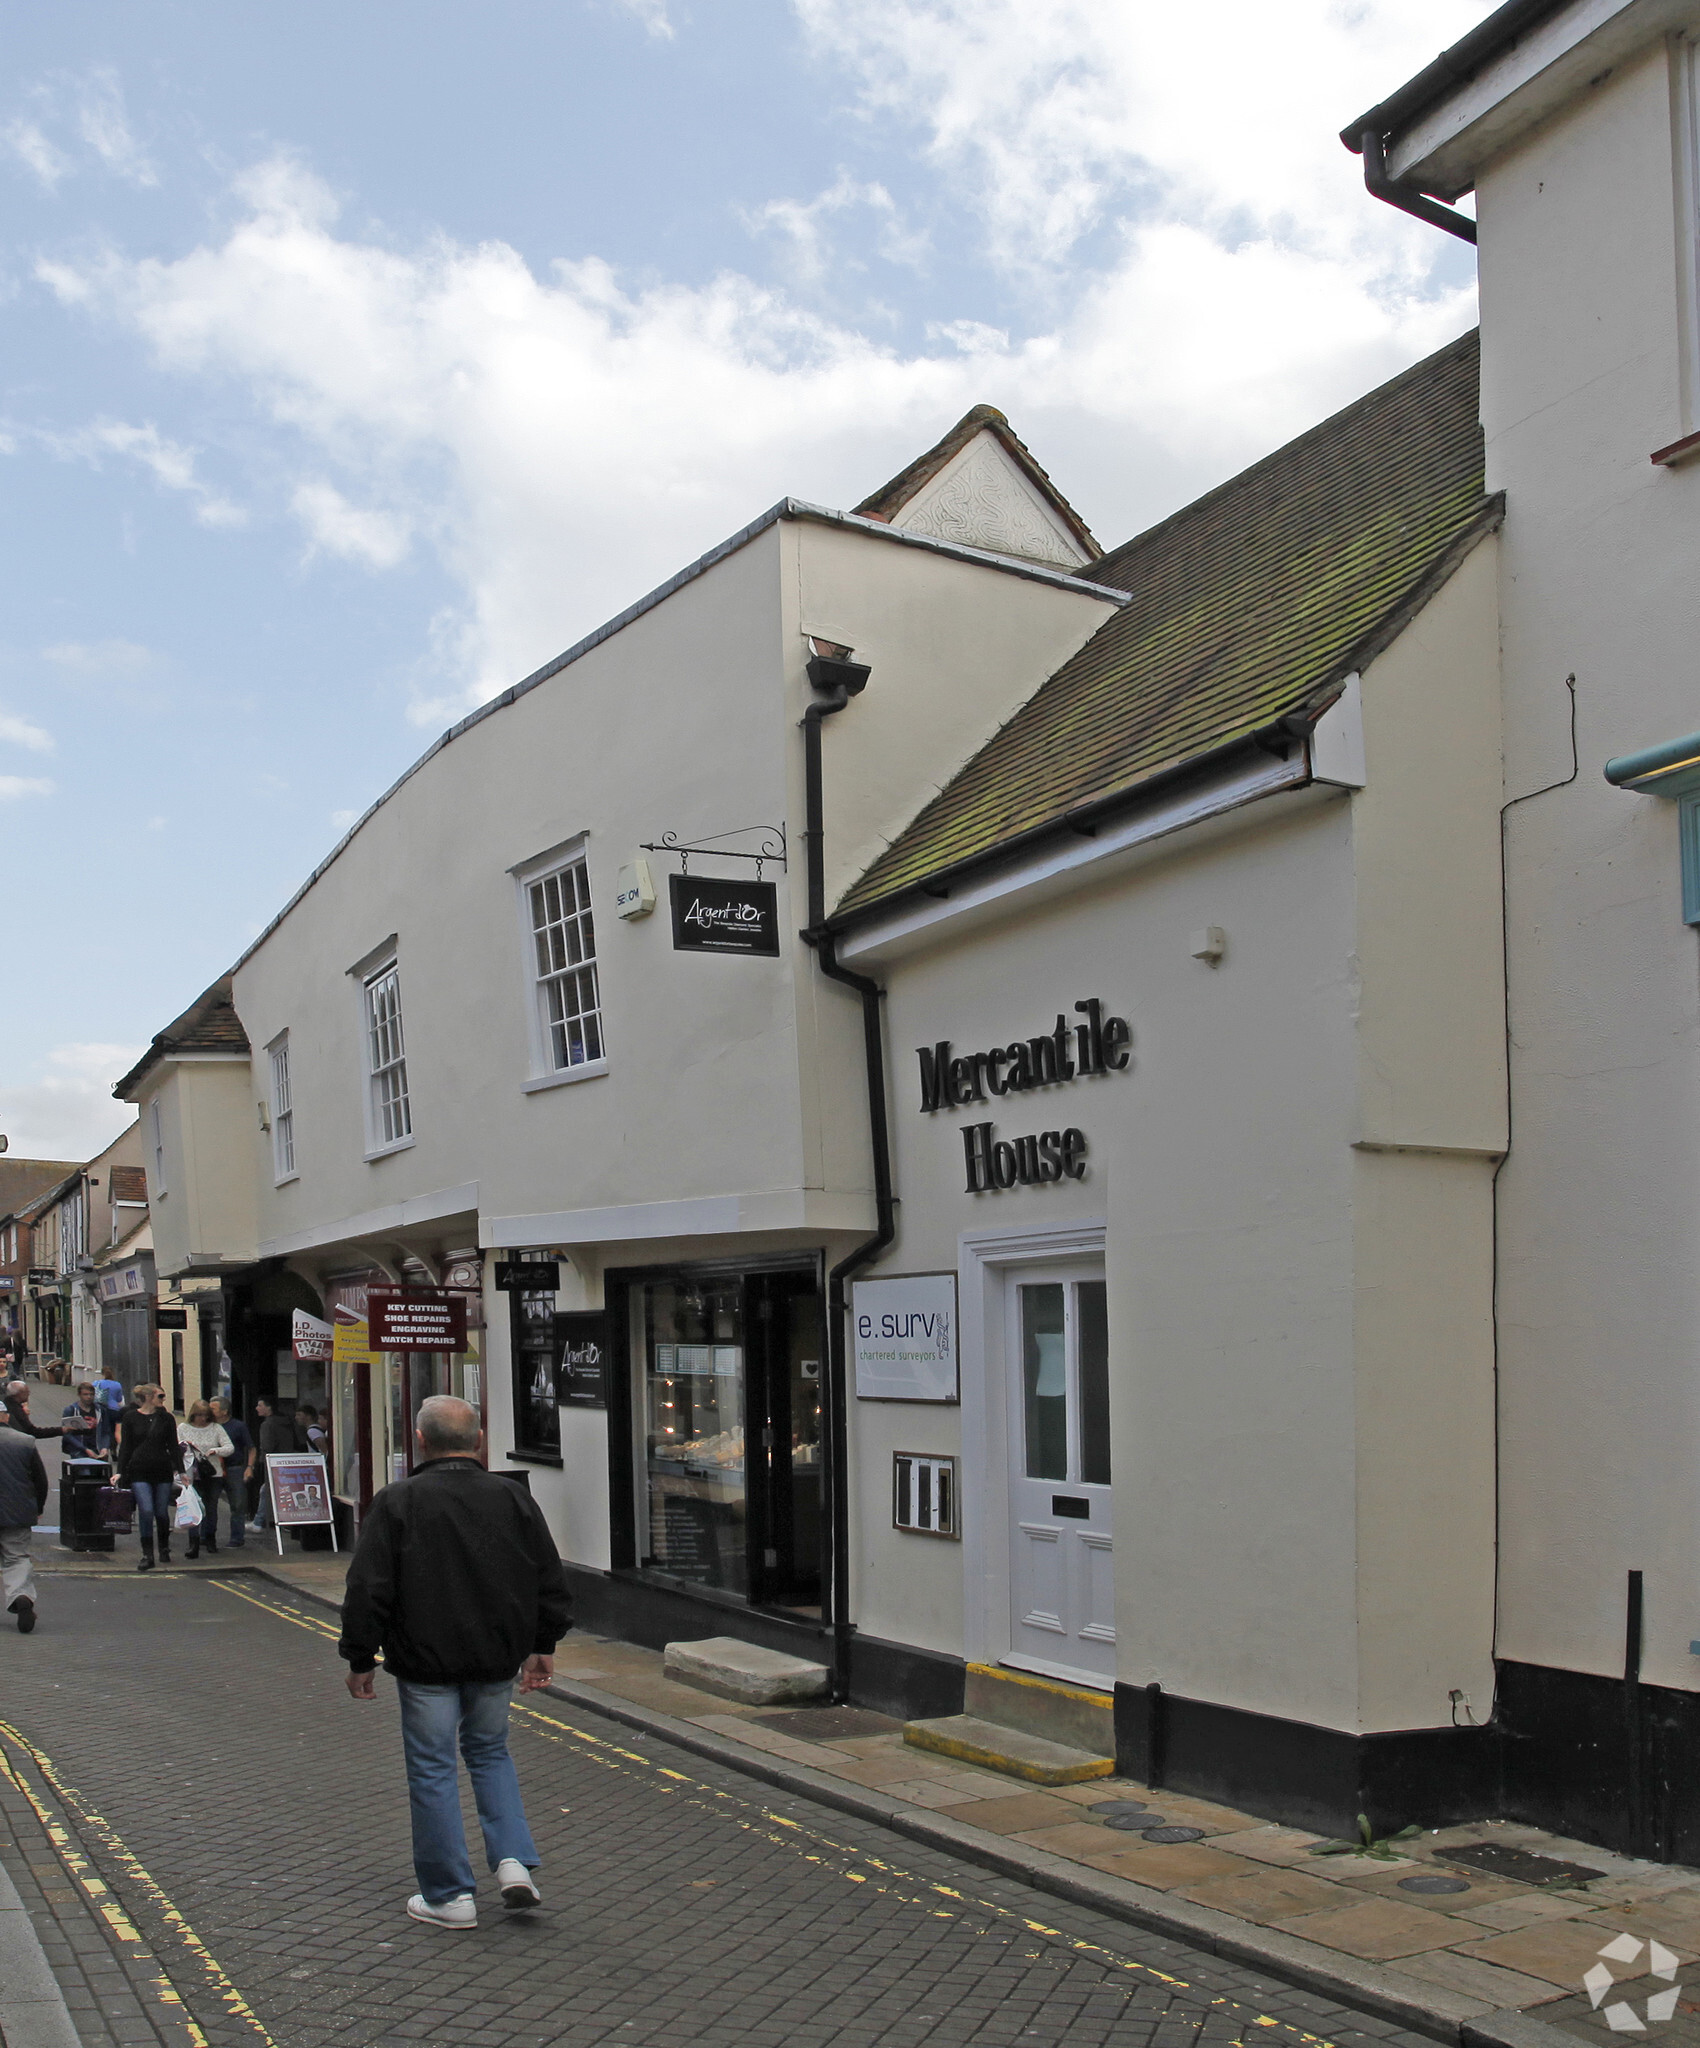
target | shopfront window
x=693, y=1391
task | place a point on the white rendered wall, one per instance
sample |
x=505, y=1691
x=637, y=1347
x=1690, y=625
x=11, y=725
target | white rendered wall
x=1599, y=1286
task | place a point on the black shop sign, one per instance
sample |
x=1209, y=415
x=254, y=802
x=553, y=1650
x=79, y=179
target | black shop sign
x=581, y=1359
x=1091, y=1048
x=712, y=915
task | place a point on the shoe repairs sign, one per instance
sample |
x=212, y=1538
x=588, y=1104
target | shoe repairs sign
x=713, y=915
x=416, y=1319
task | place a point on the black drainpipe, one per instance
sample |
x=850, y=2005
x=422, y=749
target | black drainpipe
x=839, y=680
x=1406, y=197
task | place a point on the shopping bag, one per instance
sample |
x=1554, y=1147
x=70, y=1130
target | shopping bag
x=189, y=1510
x=115, y=1507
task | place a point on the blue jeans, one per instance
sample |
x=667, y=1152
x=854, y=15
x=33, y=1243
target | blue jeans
x=431, y=1718
x=234, y=1489
x=154, y=1504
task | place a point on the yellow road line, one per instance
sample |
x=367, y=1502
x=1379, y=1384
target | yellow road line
x=85, y=1816
x=899, y=1883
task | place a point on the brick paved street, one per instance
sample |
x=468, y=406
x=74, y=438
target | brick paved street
x=188, y=1744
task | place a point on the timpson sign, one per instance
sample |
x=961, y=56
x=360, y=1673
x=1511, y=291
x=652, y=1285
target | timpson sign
x=1095, y=1046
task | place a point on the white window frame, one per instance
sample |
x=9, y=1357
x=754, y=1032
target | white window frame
x=158, y=1124
x=570, y=857
x=381, y=1138
x=283, y=1113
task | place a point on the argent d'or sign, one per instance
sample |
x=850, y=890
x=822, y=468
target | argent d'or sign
x=1098, y=1045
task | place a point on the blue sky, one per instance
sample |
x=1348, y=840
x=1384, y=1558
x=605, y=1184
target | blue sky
x=353, y=360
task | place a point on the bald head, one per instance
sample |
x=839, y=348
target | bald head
x=448, y=1428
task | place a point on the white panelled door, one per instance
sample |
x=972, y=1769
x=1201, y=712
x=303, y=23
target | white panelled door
x=1062, y=1600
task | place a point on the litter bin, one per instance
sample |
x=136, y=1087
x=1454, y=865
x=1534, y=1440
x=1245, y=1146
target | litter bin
x=80, y=1481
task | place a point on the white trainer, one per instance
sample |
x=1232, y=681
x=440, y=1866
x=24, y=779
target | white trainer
x=518, y=1891
x=461, y=1912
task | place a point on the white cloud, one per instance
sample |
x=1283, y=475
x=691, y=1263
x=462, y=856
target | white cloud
x=99, y=659
x=168, y=462
x=67, y=1111
x=19, y=732
x=566, y=439
x=23, y=785
x=804, y=226
x=653, y=14
x=1051, y=116
x=336, y=527
x=33, y=150
x=104, y=126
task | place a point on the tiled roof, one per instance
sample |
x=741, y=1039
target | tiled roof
x=891, y=498
x=210, y=1024
x=1249, y=607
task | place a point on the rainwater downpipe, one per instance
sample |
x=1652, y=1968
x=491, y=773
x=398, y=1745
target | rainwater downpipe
x=838, y=680
x=1407, y=198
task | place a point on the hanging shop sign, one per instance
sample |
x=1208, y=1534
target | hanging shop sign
x=42, y=1276
x=309, y=1337
x=1097, y=1045
x=581, y=1357
x=904, y=1333
x=528, y=1276
x=712, y=915
x=171, y=1319
x=416, y=1319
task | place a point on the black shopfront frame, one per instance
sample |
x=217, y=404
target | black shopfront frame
x=792, y=1581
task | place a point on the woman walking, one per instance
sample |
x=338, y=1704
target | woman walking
x=206, y=1444
x=147, y=1462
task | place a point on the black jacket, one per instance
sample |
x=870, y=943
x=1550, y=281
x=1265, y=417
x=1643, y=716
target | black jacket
x=23, y=1481
x=147, y=1446
x=455, y=1578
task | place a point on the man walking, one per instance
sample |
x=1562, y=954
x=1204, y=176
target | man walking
x=23, y=1495
x=109, y=1393
x=457, y=1580
x=238, y=1470
x=277, y=1440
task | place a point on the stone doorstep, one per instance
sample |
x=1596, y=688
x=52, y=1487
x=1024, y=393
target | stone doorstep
x=1007, y=1750
x=744, y=1671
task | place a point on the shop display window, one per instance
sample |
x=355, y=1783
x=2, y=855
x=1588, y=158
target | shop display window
x=693, y=1336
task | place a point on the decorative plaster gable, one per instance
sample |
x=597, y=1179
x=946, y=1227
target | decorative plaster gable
x=981, y=499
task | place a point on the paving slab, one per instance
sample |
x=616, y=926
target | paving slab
x=1377, y=1929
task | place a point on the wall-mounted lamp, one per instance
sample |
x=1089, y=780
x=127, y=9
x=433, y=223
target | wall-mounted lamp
x=1209, y=944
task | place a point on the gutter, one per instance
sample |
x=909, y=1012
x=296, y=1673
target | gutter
x=839, y=680
x=1370, y=133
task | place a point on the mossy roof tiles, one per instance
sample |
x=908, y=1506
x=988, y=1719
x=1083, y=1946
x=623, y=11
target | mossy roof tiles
x=1248, y=606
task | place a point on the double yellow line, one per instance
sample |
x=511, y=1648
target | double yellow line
x=20, y=1759
x=841, y=1859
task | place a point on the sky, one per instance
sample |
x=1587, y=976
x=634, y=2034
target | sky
x=354, y=360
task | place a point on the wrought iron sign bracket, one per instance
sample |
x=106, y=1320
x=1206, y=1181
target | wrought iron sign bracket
x=770, y=846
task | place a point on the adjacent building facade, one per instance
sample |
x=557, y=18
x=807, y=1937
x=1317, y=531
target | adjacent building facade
x=1104, y=1138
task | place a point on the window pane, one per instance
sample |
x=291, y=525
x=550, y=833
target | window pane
x=693, y=1403
x=1092, y=1338
x=1044, y=1382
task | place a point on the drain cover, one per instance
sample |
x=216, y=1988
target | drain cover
x=1432, y=1881
x=1174, y=1834
x=1108, y=1806
x=1499, y=1859
x=1132, y=1820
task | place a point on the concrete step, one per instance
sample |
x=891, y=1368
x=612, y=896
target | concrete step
x=1017, y=1755
x=744, y=1671
x=1080, y=1716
